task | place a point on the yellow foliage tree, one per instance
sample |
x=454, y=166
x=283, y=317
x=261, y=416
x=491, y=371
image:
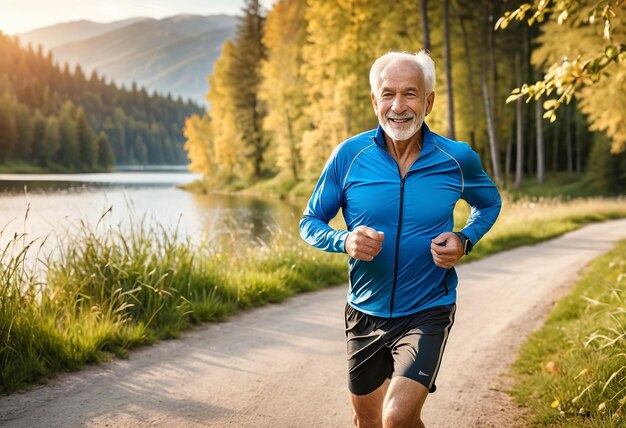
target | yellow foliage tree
x=223, y=127
x=199, y=149
x=283, y=88
x=605, y=101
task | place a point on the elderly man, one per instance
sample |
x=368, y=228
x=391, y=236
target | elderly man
x=397, y=187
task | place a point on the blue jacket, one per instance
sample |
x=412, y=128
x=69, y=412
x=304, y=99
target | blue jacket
x=362, y=179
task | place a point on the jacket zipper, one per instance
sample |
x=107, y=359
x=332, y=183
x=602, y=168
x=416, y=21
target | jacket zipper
x=398, y=234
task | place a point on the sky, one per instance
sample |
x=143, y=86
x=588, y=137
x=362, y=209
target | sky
x=19, y=16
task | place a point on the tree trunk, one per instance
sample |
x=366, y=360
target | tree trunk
x=472, y=93
x=555, y=147
x=446, y=35
x=519, y=135
x=491, y=45
x=578, y=130
x=491, y=129
x=426, y=31
x=568, y=138
x=541, y=167
x=507, y=162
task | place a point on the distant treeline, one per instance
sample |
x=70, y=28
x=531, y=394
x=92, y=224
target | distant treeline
x=293, y=84
x=61, y=120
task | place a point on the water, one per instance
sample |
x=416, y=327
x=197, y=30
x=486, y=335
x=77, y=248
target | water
x=59, y=202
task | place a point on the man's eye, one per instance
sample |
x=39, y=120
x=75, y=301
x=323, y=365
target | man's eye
x=386, y=95
x=411, y=94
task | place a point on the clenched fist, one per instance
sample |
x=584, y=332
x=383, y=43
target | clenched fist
x=364, y=243
x=446, y=250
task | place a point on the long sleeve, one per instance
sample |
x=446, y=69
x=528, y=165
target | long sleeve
x=482, y=195
x=323, y=207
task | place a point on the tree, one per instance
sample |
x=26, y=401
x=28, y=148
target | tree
x=283, y=87
x=8, y=131
x=450, y=104
x=106, y=157
x=578, y=67
x=197, y=130
x=425, y=29
x=24, y=126
x=86, y=142
x=69, y=153
x=39, y=132
x=223, y=127
x=245, y=78
x=51, y=141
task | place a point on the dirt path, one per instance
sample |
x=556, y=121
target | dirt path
x=284, y=365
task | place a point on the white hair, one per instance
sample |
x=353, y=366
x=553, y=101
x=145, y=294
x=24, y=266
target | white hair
x=422, y=59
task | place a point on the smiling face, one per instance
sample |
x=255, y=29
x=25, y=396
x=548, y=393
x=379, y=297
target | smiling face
x=400, y=101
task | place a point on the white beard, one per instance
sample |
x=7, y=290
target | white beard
x=405, y=132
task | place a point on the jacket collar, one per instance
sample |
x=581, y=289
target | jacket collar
x=427, y=139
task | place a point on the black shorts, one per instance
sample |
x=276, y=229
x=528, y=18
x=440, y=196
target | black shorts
x=411, y=346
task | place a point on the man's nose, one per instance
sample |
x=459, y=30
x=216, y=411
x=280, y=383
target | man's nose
x=398, y=104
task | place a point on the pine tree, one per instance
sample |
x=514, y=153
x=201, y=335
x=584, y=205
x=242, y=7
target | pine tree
x=51, y=141
x=24, y=126
x=39, y=133
x=245, y=78
x=106, y=157
x=8, y=130
x=69, y=153
x=87, y=144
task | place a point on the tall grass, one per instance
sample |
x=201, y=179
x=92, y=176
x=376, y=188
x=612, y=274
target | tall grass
x=529, y=220
x=108, y=289
x=572, y=373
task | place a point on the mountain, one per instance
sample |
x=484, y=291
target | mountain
x=171, y=55
x=73, y=31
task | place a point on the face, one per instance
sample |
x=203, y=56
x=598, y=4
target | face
x=400, y=101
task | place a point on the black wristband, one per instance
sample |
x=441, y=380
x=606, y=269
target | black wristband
x=465, y=242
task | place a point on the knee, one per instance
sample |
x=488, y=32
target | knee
x=396, y=417
x=367, y=419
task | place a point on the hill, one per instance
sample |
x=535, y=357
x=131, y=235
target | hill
x=72, y=31
x=171, y=55
x=50, y=117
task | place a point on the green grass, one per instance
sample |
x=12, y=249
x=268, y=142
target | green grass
x=110, y=290
x=572, y=372
x=530, y=220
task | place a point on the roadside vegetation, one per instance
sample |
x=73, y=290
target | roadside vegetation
x=105, y=289
x=572, y=372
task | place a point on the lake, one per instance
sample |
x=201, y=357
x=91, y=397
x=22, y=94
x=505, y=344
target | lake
x=58, y=202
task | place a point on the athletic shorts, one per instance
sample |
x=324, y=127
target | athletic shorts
x=410, y=346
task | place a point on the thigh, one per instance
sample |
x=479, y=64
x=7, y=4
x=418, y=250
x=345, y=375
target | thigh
x=369, y=359
x=368, y=408
x=418, y=352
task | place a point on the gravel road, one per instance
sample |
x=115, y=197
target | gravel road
x=284, y=365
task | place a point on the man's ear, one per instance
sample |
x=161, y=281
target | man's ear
x=430, y=101
x=375, y=103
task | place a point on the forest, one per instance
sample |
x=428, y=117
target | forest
x=59, y=120
x=293, y=83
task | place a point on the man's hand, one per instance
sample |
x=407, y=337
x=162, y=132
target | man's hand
x=446, y=250
x=364, y=243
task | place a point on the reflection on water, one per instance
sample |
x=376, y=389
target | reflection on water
x=55, y=203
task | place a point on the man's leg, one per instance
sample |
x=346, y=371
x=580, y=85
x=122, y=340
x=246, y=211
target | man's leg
x=403, y=403
x=368, y=409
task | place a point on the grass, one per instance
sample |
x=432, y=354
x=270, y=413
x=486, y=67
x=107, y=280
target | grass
x=572, y=372
x=111, y=289
x=530, y=220
x=107, y=289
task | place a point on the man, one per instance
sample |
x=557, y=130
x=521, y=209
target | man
x=397, y=187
